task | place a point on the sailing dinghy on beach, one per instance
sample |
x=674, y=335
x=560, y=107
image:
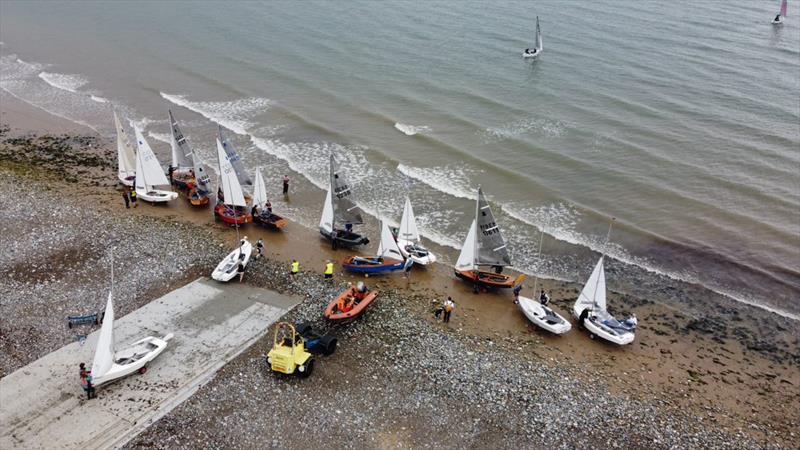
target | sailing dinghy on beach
x=590, y=309
x=388, y=259
x=408, y=238
x=778, y=20
x=340, y=208
x=109, y=364
x=126, y=156
x=231, y=206
x=538, y=312
x=485, y=246
x=228, y=268
x=263, y=215
x=149, y=174
x=534, y=52
x=186, y=173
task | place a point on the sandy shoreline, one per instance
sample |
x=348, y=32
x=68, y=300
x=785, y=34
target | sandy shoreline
x=737, y=367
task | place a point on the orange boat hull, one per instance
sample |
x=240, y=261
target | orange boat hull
x=333, y=311
x=487, y=279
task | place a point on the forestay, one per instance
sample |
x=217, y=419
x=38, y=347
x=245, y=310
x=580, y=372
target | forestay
x=259, y=191
x=408, y=224
x=234, y=159
x=388, y=247
x=345, y=210
x=104, y=355
x=466, y=259
x=492, y=249
x=126, y=157
x=148, y=170
x=180, y=146
x=228, y=181
x=593, y=295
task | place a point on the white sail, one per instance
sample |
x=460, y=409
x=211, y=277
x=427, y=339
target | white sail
x=234, y=158
x=326, y=221
x=148, y=170
x=259, y=191
x=228, y=181
x=104, y=354
x=538, y=36
x=466, y=259
x=180, y=146
x=200, y=176
x=593, y=295
x=126, y=157
x=388, y=247
x=408, y=224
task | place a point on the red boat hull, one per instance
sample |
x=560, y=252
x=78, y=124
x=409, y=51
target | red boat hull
x=228, y=215
x=336, y=312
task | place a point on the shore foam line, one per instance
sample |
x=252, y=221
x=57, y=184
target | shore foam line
x=52, y=113
x=223, y=112
x=63, y=81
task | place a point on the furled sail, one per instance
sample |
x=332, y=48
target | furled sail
x=491, y=249
x=344, y=207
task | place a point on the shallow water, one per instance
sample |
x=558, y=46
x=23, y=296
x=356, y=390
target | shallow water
x=680, y=119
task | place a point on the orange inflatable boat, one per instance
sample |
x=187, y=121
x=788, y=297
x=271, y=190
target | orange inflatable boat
x=349, y=304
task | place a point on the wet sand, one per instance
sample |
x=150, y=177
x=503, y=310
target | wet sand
x=732, y=365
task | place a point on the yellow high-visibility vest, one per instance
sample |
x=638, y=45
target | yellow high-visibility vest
x=295, y=267
x=329, y=269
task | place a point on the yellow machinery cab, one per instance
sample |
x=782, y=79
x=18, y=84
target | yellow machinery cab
x=288, y=354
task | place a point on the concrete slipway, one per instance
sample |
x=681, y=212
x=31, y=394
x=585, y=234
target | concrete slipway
x=42, y=404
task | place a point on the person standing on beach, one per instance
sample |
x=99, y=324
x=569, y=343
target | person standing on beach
x=285, y=184
x=328, y=270
x=516, y=293
x=126, y=198
x=295, y=267
x=133, y=198
x=544, y=299
x=86, y=382
x=260, y=249
x=240, y=270
x=449, y=305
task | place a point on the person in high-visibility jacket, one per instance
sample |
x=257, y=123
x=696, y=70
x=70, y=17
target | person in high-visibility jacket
x=329, y=269
x=295, y=267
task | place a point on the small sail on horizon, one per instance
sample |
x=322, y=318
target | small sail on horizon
x=104, y=355
x=126, y=156
x=180, y=146
x=539, y=46
x=345, y=210
x=234, y=158
x=491, y=247
x=228, y=181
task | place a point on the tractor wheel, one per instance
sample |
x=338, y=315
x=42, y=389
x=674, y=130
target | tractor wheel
x=330, y=346
x=143, y=370
x=309, y=367
x=303, y=328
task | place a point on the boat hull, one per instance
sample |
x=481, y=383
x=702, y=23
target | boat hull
x=487, y=279
x=344, y=239
x=126, y=181
x=543, y=317
x=156, y=196
x=229, y=216
x=133, y=358
x=272, y=221
x=227, y=269
x=198, y=198
x=334, y=313
x=428, y=258
x=358, y=264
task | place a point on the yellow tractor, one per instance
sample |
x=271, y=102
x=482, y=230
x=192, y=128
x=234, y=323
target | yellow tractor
x=288, y=354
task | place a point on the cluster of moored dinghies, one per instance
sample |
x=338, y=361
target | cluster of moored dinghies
x=483, y=256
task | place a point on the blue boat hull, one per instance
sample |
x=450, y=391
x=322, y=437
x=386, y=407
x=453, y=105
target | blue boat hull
x=361, y=265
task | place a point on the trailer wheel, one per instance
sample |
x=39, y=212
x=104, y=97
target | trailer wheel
x=591, y=335
x=143, y=370
x=330, y=346
x=309, y=367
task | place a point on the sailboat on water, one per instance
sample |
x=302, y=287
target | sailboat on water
x=388, y=259
x=149, y=173
x=109, y=364
x=590, y=309
x=778, y=20
x=340, y=209
x=534, y=52
x=409, y=240
x=234, y=200
x=262, y=214
x=126, y=156
x=231, y=205
x=186, y=172
x=485, y=246
x=538, y=312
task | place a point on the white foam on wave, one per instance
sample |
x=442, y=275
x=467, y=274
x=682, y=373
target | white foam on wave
x=67, y=82
x=544, y=127
x=232, y=115
x=452, y=180
x=98, y=99
x=411, y=130
x=163, y=137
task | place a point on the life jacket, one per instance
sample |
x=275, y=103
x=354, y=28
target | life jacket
x=329, y=269
x=296, y=267
x=448, y=307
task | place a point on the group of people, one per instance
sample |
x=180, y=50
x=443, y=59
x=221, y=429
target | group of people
x=129, y=196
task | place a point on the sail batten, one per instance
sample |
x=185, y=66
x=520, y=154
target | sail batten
x=345, y=210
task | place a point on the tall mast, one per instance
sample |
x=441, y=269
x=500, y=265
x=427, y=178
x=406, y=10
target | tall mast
x=475, y=243
x=538, y=258
x=602, y=262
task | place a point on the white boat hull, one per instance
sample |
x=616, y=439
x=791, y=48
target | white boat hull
x=228, y=268
x=133, y=358
x=156, y=196
x=127, y=181
x=613, y=335
x=530, y=55
x=777, y=22
x=430, y=258
x=543, y=317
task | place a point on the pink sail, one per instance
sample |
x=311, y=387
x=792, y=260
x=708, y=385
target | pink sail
x=783, y=8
